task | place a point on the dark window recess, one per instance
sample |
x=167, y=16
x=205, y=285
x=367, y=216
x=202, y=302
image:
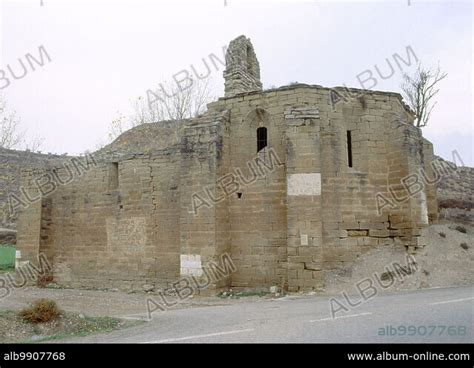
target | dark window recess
x=261, y=138
x=113, y=176
x=239, y=195
x=349, y=148
x=249, y=59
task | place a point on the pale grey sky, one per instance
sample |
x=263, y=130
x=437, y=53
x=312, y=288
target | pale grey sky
x=105, y=53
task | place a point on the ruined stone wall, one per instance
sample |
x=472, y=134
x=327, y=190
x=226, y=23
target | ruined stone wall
x=304, y=200
x=352, y=224
x=242, y=72
x=12, y=162
x=151, y=212
x=431, y=196
x=118, y=226
x=204, y=224
x=258, y=217
x=408, y=213
x=316, y=211
x=285, y=181
x=114, y=227
x=29, y=219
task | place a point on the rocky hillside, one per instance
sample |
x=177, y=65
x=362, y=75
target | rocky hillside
x=456, y=194
x=446, y=260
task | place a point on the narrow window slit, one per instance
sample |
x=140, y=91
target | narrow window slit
x=349, y=148
x=113, y=176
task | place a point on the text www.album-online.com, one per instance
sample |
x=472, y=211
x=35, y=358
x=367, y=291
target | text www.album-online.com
x=425, y=356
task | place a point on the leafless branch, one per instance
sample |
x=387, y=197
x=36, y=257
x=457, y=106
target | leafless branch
x=419, y=90
x=171, y=103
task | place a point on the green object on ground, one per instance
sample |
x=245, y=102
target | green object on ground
x=7, y=257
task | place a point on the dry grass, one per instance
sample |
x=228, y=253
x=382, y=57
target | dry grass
x=13, y=329
x=41, y=310
x=464, y=246
x=461, y=229
x=44, y=280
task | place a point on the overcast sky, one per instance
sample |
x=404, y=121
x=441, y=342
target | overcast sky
x=106, y=53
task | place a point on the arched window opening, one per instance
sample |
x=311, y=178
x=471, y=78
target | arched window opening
x=261, y=138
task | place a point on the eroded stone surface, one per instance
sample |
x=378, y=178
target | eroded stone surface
x=165, y=199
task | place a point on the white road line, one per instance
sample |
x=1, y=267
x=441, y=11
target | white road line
x=452, y=301
x=200, y=336
x=143, y=318
x=348, y=316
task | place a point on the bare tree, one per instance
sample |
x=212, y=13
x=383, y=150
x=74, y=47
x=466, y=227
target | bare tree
x=117, y=127
x=419, y=91
x=169, y=102
x=11, y=135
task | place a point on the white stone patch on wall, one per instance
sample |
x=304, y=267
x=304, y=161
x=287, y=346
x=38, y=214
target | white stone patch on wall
x=424, y=207
x=190, y=265
x=302, y=112
x=304, y=184
x=304, y=239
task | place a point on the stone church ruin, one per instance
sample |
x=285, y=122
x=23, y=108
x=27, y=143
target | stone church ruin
x=284, y=181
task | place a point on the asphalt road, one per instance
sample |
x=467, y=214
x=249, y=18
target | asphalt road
x=438, y=315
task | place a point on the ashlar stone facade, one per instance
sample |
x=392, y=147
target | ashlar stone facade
x=288, y=182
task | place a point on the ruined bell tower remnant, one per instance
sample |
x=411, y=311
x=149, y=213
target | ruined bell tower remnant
x=283, y=181
x=242, y=72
